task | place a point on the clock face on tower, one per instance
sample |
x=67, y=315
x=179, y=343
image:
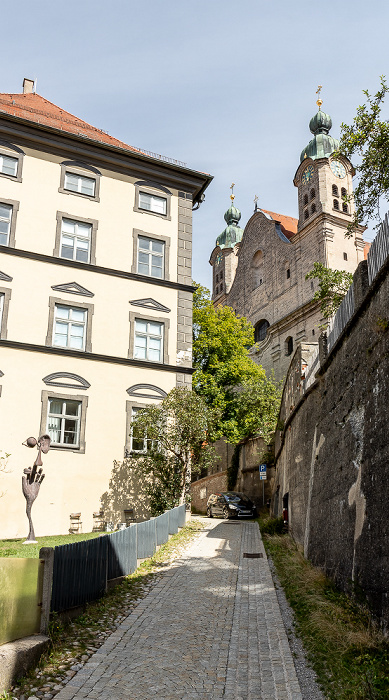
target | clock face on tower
x=307, y=174
x=338, y=168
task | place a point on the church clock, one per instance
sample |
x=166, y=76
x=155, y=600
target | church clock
x=338, y=168
x=307, y=174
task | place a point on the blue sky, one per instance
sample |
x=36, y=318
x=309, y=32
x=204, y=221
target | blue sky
x=227, y=87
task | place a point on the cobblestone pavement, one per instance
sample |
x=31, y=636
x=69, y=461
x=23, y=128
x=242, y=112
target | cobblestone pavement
x=211, y=628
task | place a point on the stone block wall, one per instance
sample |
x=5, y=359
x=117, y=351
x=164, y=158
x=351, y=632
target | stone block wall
x=332, y=456
x=203, y=488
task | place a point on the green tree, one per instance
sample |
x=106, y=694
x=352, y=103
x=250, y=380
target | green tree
x=174, y=434
x=333, y=285
x=245, y=401
x=368, y=138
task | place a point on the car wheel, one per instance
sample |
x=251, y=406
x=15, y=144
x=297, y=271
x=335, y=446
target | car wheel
x=209, y=512
x=226, y=512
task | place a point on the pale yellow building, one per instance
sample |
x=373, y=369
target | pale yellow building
x=95, y=304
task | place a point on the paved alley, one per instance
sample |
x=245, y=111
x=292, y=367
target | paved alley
x=210, y=628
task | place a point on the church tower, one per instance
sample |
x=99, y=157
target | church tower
x=224, y=258
x=324, y=183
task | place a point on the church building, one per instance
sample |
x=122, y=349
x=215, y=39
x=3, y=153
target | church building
x=260, y=272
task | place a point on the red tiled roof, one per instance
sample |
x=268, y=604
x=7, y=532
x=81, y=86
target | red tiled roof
x=366, y=249
x=37, y=109
x=288, y=223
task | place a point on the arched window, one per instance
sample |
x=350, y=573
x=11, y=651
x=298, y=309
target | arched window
x=335, y=192
x=260, y=330
x=313, y=208
x=306, y=214
x=313, y=193
x=217, y=278
x=343, y=192
x=305, y=199
x=217, y=291
x=221, y=288
x=336, y=204
x=257, y=269
x=289, y=345
x=221, y=274
x=345, y=208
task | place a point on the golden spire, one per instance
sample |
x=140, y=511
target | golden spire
x=319, y=101
x=232, y=196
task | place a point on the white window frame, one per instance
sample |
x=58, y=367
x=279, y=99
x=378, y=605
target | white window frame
x=148, y=337
x=15, y=159
x=150, y=253
x=9, y=221
x=70, y=323
x=80, y=179
x=76, y=237
x=63, y=417
x=153, y=199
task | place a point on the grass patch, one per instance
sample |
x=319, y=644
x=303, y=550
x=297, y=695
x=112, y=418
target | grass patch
x=16, y=548
x=74, y=642
x=348, y=653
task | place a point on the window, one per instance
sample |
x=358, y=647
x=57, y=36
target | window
x=313, y=193
x=138, y=439
x=217, y=291
x=306, y=214
x=69, y=327
x=288, y=274
x=80, y=180
x=289, y=345
x=153, y=203
x=5, y=223
x=148, y=343
x=1, y=312
x=151, y=257
x=344, y=208
x=313, y=208
x=75, y=240
x=63, y=422
x=336, y=204
x=80, y=184
x=8, y=165
x=305, y=199
x=217, y=279
x=64, y=419
x=5, y=295
x=344, y=256
x=221, y=287
x=221, y=274
x=343, y=192
x=335, y=192
x=313, y=331
x=260, y=330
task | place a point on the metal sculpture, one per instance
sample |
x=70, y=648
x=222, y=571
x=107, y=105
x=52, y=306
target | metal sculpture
x=32, y=479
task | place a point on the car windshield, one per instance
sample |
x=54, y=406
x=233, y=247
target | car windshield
x=237, y=498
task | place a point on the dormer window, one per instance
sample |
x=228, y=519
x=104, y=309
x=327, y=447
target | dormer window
x=305, y=199
x=336, y=204
x=313, y=193
x=335, y=192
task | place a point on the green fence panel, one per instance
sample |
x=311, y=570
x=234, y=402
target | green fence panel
x=20, y=598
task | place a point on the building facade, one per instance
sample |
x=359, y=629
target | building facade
x=261, y=271
x=95, y=304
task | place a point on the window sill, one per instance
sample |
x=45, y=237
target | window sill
x=91, y=198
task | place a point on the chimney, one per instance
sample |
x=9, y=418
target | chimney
x=28, y=86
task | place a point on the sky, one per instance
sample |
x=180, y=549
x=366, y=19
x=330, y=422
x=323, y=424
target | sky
x=227, y=87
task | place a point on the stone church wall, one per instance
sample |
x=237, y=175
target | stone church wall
x=332, y=452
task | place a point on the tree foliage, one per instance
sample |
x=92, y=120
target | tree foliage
x=368, y=138
x=175, y=434
x=333, y=285
x=244, y=400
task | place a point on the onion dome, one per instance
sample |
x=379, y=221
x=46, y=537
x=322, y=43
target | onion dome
x=322, y=145
x=232, y=234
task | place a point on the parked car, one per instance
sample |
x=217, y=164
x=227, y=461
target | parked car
x=230, y=505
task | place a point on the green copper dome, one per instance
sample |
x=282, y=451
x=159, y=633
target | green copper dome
x=322, y=145
x=232, y=234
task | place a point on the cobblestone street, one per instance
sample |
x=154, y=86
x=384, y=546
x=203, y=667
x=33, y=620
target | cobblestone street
x=210, y=628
